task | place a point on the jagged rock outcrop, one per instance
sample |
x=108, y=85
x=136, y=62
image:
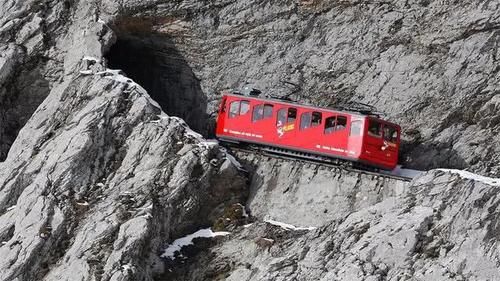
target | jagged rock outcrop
x=430, y=66
x=311, y=194
x=95, y=180
x=99, y=180
x=442, y=227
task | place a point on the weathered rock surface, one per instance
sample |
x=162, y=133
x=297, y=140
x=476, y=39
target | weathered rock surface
x=431, y=66
x=95, y=180
x=309, y=194
x=441, y=228
x=98, y=181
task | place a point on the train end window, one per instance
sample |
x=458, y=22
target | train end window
x=390, y=134
x=244, y=107
x=258, y=113
x=268, y=110
x=234, y=109
x=223, y=105
x=330, y=124
x=316, y=119
x=305, y=120
x=292, y=115
x=375, y=129
x=356, y=128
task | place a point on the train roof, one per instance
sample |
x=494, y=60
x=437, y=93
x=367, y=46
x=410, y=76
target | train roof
x=297, y=104
x=356, y=113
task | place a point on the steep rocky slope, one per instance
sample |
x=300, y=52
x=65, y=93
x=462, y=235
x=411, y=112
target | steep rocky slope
x=309, y=194
x=96, y=180
x=442, y=227
x=429, y=65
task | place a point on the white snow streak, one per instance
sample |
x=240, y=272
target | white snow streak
x=89, y=58
x=472, y=176
x=117, y=75
x=86, y=72
x=288, y=226
x=207, y=144
x=178, y=244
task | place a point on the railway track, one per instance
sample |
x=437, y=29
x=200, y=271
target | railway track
x=290, y=155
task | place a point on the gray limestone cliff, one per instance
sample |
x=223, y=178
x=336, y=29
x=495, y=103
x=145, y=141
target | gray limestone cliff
x=100, y=169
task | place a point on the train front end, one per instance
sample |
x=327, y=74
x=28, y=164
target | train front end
x=381, y=143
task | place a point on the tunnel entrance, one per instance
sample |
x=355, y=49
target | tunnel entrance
x=154, y=62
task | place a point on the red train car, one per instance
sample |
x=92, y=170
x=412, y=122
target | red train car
x=347, y=135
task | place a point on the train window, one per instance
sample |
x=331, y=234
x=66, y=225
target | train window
x=305, y=120
x=262, y=111
x=374, y=129
x=316, y=118
x=245, y=107
x=292, y=115
x=280, y=121
x=268, y=110
x=234, y=109
x=356, y=128
x=258, y=112
x=310, y=119
x=330, y=124
x=341, y=123
x=390, y=133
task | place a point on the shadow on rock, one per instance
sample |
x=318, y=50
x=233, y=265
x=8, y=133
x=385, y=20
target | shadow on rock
x=153, y=60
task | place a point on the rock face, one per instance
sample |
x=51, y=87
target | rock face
x=430, y=66
x=98, y=180
x=97, y=175
x=308, y=194
x=441, y=228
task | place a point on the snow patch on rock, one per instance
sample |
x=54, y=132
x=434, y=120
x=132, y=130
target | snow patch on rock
x=288, y=226
x=178, y=244
x=472, y=176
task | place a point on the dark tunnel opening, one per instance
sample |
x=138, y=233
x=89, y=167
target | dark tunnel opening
x=154, y=62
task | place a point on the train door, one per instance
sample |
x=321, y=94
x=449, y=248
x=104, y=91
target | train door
x=374, y=140
x=310, y=129
x=355, y=142
x=286, y=126
x=336, y=133
x=263, y=121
